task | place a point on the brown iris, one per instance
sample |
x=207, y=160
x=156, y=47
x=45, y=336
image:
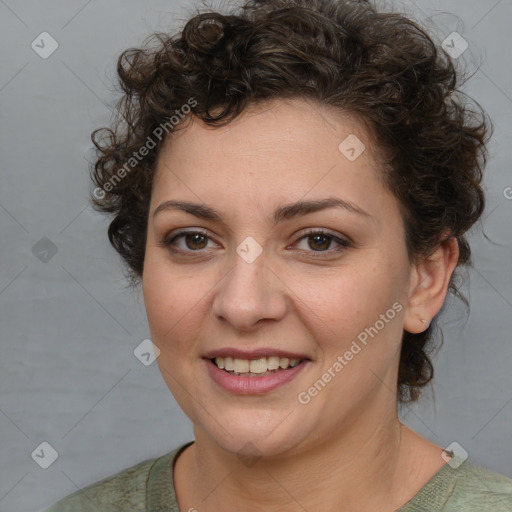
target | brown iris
x=193, y=240
x=318, y=241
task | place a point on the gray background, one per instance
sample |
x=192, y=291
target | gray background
x=69, y=326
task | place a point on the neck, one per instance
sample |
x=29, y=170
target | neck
x=367, y=467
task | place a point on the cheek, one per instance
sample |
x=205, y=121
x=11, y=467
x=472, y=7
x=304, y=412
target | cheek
x=176, y=304
x=344, y=304
x=165, y=297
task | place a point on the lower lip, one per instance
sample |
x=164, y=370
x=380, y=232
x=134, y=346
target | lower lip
x=252, y=385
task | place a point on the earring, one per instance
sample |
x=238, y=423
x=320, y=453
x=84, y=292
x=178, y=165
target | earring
x=423, y=321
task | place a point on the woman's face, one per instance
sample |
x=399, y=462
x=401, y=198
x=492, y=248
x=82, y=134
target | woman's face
x=250, y=286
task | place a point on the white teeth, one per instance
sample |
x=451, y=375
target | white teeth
x=284, y=362
x=255, y=366
x=258, y=366
x=273, y=362
x=241, y=365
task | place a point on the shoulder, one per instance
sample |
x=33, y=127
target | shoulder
x=463, y=485
x=125, y=490
x=479, y=489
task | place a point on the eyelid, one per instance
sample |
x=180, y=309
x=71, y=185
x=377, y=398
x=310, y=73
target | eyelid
x=168, y=239
x=327, y=232
x=185, y=231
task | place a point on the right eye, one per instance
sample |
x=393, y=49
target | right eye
x=187, y=241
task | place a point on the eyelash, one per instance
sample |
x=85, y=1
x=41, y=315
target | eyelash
x=343, y=244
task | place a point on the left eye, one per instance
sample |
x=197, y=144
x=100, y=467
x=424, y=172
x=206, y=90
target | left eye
x=320, y=241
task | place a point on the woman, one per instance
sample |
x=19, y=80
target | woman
x=291, y=184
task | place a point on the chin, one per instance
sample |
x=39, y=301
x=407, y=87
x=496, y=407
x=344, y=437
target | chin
x=255, y=436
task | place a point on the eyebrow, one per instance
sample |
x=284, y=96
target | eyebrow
x=282, y=213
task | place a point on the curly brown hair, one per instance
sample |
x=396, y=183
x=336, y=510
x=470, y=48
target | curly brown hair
x=380, y=67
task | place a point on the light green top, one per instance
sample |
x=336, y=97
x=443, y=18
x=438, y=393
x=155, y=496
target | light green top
x=459, y=486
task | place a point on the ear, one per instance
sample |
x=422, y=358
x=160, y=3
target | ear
x=428, y=287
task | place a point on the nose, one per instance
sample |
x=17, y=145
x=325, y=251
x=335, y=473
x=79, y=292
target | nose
x=248, y=294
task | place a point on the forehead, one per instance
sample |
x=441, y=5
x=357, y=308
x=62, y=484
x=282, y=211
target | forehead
x=283, y=149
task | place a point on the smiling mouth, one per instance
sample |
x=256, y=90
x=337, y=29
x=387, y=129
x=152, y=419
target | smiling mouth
x=260, y=367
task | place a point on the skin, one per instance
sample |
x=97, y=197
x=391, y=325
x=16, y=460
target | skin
x=346, y=446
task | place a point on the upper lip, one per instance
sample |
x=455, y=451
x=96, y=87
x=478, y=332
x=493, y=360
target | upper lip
x=237, y=353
